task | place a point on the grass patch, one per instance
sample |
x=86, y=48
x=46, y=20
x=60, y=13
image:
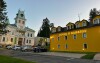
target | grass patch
x=7, y=59
x=75, y=52
x=88, y=56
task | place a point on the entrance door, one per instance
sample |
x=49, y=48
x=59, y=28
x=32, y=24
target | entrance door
x=20, y=41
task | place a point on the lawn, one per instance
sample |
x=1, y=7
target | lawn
x=89, y=56
x=6, y=59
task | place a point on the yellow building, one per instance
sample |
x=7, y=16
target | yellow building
x=83, y=36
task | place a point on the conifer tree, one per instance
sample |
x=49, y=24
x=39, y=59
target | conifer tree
x=3, y=17
x=45, y=29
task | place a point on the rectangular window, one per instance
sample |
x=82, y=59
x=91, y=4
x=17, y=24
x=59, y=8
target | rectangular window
x=23, y=22
x=31, y=35
x=99, y=21
x=29, y=41
x=66, y=46
x=85, y=46
x=3, y=39
x=58, y=46
x=84, y=23
x=52, y=39
x=74, y=36
x=19, y=21
x=11, y=39
x=65, y=37
x=84, y=35
x=58, y=38
x=28, y=34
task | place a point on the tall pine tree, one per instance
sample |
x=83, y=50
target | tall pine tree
x=93, y=13
x=3, y=17
x=45, y=29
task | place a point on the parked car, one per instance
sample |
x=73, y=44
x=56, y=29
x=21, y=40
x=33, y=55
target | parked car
x=16, y=47
x=9, y=47
x=27, y=48
x=39, y=49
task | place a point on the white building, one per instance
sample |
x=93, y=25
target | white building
x=18, y=34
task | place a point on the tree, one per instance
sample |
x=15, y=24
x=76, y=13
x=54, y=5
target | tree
x=45, y=29
x=3, y=17
x=93, y=13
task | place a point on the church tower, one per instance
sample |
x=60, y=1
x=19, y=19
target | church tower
x=20, y=19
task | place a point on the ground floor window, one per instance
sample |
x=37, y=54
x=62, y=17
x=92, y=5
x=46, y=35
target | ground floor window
x=58, y=46
x=66, y=46
x=11, y=39
x=27, y=41
x=85, y=46
x=3, y=39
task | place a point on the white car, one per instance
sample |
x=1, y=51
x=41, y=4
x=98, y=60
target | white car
x=9, y=47
x=27, y=48
x=16, y=47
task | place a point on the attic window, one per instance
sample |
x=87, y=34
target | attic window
x=22, y=15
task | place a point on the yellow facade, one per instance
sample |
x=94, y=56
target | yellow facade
x=89, y=43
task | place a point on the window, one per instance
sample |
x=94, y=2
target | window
x=74, y=36
x=77, y=25
x=11, y=39
x=85, y=46
x=52, y=39
x=68, y=27
x=12, y=32
x=58, y=46
x=65, y=37
x=28, y=34
x=71, y=26
x=59, y=28
x=84, y=35
x=22, y=15
x=66, y=46
x=19, y=21
x=58, y=38
x=96, y=21
x=31, y=35
x=3, y=39
x=23, y=22
x=29, y=41
x=84, y=23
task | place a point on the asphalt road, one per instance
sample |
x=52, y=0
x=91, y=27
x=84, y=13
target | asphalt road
x=44, y=58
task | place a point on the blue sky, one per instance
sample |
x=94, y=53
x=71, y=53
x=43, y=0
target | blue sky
x=59, y=12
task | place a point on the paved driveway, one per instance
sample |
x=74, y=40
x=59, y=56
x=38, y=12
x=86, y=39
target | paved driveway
x=40, y=58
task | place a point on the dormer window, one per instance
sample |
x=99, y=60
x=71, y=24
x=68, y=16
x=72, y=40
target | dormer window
x=84, y=24
x=59, y=28
x=68, y=27
x=53, y=30
x=71, y=26
x=99, y=20
x=77, y=25
x=96, y=21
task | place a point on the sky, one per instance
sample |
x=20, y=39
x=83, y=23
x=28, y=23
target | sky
x=59, y=12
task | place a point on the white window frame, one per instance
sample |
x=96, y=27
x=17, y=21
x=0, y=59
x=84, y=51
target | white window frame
x=83, y=23
x=58, y=46
x=58, y=38
x=86, y=46
x=84, y=36
x=65, y=37
x=66, y=46
x=74, y=36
